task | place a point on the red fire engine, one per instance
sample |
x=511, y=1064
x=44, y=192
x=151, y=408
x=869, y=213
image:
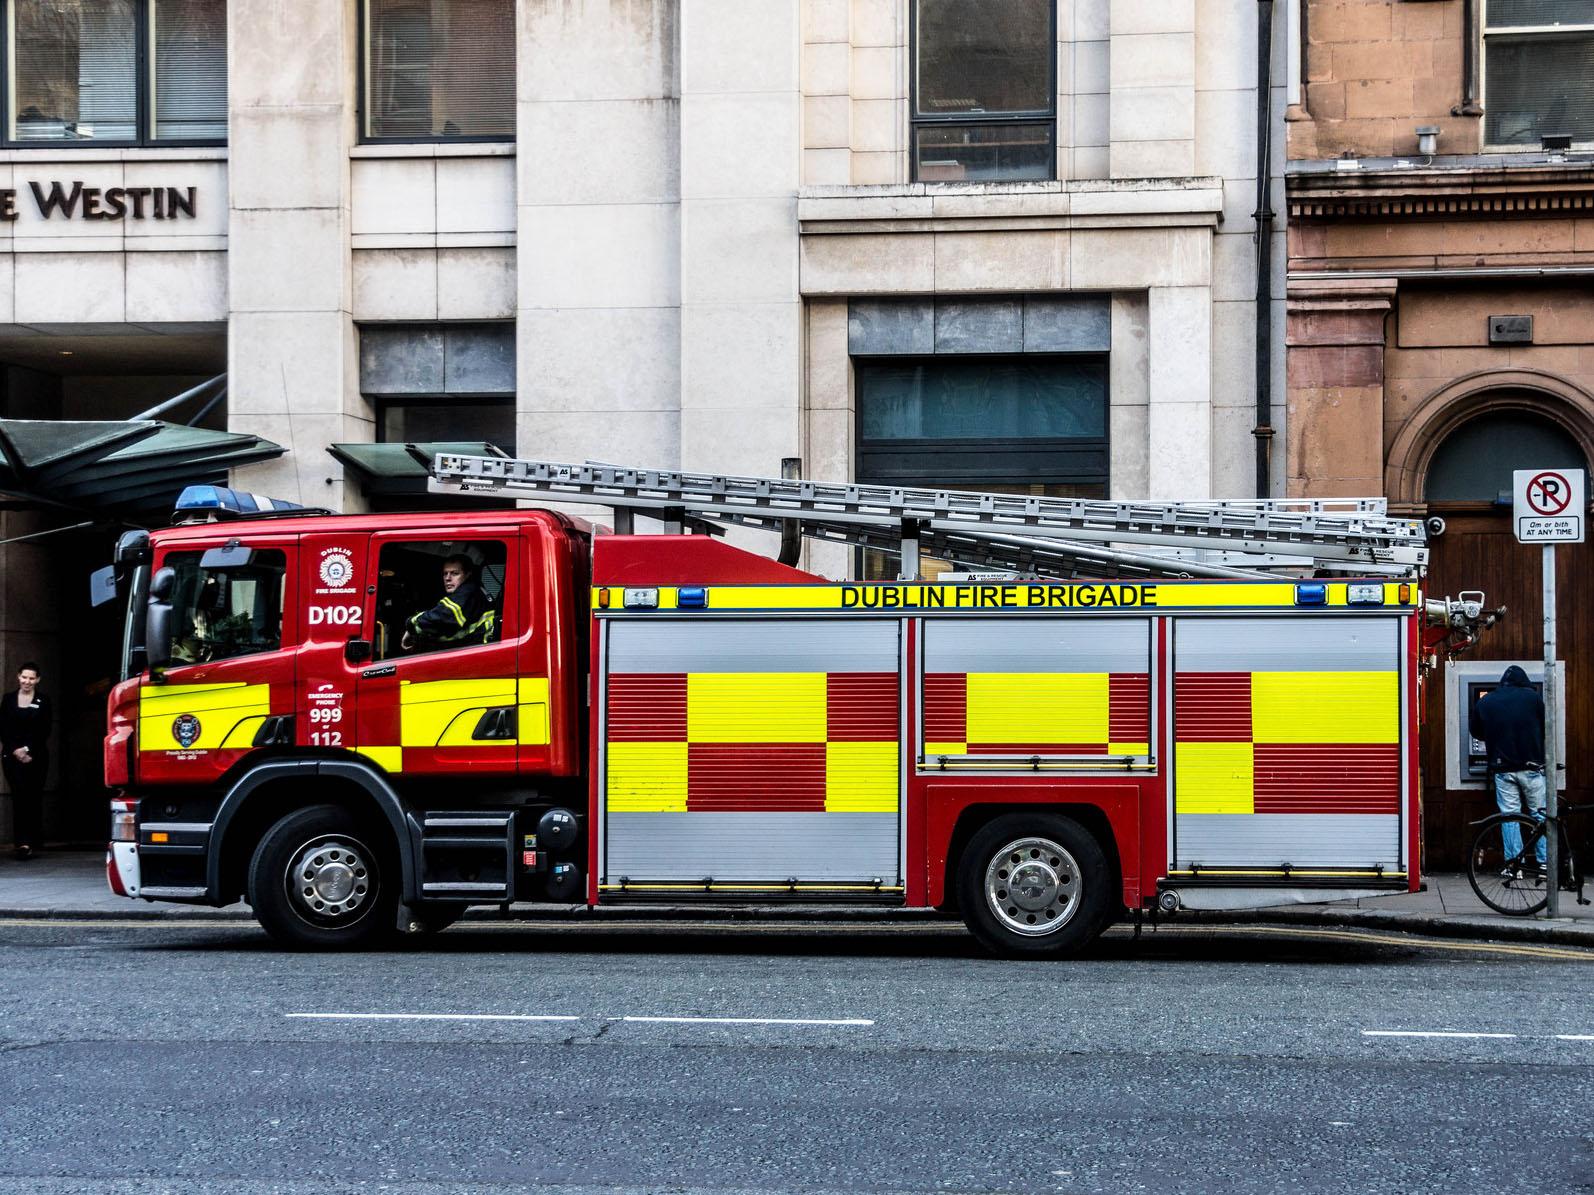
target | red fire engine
x=362, y=723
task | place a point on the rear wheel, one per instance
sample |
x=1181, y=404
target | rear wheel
x=1034, y=886
x=1509, y=882
x=319, y=880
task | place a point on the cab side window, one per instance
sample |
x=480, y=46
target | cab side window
x=221, y=613
x=439, y=595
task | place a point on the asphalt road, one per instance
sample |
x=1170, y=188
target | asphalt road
x=745, y=1058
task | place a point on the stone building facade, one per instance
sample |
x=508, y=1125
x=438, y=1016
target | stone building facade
x=900, y=239
x=1440, y=322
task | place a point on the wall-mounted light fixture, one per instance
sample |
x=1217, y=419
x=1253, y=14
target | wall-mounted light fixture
x=1428, y=139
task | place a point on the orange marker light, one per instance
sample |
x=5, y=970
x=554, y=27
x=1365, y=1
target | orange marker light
x=160, y=836
x=1405, y=594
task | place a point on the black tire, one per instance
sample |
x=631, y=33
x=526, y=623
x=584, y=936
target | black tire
x=1066, y=902
x=1513, y=886
x=322, y=879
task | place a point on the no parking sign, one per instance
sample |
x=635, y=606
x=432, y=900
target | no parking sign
x=1548, y=505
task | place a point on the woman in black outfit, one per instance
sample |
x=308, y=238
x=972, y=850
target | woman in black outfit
x=25, y=742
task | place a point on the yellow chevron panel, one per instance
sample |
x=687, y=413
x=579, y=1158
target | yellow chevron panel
x=755, y=707
x=1128, y=748
x=861, y=778
x=1037, y=707
x=532, y=721
x=243, y=734
x=219, y=708
x=1214, y=778
x=1325, y=707
x=646, y=778
x=428, y=710
x=946, y=748
x=389, y=759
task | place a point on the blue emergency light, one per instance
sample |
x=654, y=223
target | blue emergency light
x=1311, y=593
x=691, y=597
x=219, y=500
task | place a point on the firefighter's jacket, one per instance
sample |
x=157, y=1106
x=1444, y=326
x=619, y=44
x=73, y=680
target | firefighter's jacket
x=462, y=617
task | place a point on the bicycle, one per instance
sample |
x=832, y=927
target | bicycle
x=1514, y=884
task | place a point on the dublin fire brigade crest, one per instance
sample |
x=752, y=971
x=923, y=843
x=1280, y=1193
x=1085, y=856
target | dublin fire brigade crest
x=185, y=729
x=336, y=569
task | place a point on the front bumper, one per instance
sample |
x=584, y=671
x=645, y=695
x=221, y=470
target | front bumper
x=121, y=868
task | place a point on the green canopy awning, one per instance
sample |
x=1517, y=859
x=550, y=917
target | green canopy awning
x=392, y=469
x=131, y=469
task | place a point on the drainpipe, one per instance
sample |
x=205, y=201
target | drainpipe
x=1264, y=248
x=1469, y=105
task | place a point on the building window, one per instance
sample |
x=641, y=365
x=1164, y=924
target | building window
x=442, y=420
x=439, y=70
x=1538, y=72
x=1031, y=424
x=116, y=72
x=984, y=90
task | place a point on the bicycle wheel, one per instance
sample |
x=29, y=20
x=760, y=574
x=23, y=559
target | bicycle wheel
x=1514, y=884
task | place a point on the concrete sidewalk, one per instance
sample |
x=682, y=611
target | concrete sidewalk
x=71, y=884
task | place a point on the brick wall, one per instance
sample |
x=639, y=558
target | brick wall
x=1374, y=71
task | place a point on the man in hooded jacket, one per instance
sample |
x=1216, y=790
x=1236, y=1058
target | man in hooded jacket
x=1510, y=721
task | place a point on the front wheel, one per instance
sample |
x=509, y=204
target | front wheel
x=1034, y=886
x=320, y=880
x=1508, y=878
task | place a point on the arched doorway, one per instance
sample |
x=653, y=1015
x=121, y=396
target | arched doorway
x=1466, y=481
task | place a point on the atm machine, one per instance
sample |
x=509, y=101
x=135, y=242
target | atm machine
x=1467, y=682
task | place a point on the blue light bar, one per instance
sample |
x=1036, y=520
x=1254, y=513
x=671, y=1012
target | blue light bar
x=1311, y=593
x=221, y=500
x=692, y=597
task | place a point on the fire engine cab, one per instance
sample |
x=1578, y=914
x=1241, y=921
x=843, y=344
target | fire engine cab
x=363, y=724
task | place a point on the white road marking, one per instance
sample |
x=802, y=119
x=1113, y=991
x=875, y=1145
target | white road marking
x=421, y=1016
x=1430, y=1033
x=1574, y=1037
x=738, y=1021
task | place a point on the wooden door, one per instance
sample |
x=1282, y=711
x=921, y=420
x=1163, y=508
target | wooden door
x=1479, y=551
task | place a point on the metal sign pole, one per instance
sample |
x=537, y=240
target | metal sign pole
x=1548, y=507
x=1552, y=877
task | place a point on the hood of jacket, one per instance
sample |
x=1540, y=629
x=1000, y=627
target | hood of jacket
x=1515, y=677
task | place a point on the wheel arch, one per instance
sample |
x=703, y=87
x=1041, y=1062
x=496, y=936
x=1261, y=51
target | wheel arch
x=253, y=804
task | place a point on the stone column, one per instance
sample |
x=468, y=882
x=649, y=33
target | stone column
x=1179, y=411
x=292, y=360
x=741, y=315
x=1152, y=117
x=1334, y=369
x=598, y=232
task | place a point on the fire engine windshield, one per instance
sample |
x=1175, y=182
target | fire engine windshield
x=225, y=612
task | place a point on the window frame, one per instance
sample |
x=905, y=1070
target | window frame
x=284, y=601
x=144, y=101
x=509, y=630
x=362, y=98
x=383, y=404
x=1519, y=33
x=917, y=121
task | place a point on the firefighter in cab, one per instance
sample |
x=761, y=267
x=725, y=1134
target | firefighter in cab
x=462, y=617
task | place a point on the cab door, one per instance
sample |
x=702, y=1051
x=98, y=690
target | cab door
x=435, y=705
x=229, y=686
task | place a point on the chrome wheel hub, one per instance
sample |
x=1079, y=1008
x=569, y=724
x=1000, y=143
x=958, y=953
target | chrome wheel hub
x=330, y=879
x=1032, y=886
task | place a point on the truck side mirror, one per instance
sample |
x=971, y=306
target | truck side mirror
x=357, y=651
x=102, y=585
x=158, y=620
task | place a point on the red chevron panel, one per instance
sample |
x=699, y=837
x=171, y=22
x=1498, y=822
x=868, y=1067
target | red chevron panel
x=1327, y=778
x=647, y=707
x=1212, y=707
x=755, y=778
x=946, y=705
x=1129, y=707
x=861, y=707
